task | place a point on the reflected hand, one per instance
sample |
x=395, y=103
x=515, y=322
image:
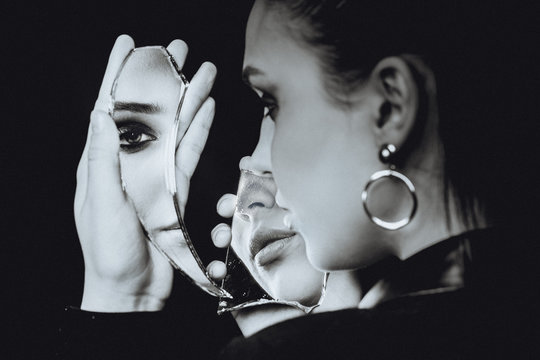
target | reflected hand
x=221, y=235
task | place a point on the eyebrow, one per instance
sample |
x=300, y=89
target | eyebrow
x=137, y=107
x=248, y=72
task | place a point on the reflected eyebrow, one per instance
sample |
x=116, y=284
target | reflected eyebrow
x=248, y=72
x=137, y=107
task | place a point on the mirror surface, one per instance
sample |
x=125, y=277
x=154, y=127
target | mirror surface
x=278, y=270
x=146, y=102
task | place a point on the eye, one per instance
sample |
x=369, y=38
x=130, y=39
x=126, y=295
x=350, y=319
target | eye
x=134, y=136
x=270, y=105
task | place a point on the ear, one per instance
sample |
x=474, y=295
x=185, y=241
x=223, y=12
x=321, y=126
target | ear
x=397, y=91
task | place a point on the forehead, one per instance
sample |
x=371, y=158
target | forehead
x=268, y=38
x=148, y=76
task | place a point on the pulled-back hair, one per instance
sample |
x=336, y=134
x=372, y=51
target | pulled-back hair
x=483, y=88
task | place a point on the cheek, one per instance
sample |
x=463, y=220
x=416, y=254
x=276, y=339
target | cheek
x=320, y=166
x=143, y=175
x=294, y=146
x=240, y=238
x=313, y=158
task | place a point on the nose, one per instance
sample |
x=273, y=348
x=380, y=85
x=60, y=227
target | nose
x=260, y=162
x=251, y=204
x=247, y=163
x=255, y=195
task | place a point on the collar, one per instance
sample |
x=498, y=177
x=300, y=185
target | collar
x=443, y=267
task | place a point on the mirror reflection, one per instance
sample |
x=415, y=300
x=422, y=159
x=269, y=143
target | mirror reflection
x=146, y=100
x=274, y=255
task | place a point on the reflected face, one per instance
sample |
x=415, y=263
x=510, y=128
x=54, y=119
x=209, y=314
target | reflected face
x=322, y=154
x=274, y=254
x=146, y=99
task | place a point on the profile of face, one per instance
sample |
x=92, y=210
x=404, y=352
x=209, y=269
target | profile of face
x=274, y=255
x=147, y=94
x=322, y=153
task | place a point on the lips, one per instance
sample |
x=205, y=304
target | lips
x=265, y=242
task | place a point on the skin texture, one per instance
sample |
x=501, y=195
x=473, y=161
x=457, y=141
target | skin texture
x=323, y=152
x=281, y=277
x=291, y=276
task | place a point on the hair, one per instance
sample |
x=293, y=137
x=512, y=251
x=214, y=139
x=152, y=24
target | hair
x=482, y=89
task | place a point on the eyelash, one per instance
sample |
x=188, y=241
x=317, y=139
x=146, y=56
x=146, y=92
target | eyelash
x=142, y=133
x=270, y=105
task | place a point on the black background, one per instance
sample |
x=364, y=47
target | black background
x=54, y=57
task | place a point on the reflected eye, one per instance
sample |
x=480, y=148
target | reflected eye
x=134, y=136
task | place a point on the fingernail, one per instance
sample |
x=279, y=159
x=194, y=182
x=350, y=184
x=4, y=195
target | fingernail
x=221, y=235
x=219, y=203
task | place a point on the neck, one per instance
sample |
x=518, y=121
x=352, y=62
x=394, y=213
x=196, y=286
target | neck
x=254, y=319
x=439, y=269
x=433, y=223
x=342, y=291
x=437, y=217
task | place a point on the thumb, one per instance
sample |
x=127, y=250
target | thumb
x=104, y=178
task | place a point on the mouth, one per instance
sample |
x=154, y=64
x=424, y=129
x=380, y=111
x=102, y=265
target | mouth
x=267, y=245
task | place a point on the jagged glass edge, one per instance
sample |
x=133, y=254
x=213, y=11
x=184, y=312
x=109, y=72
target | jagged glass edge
x=170, y=173
x=222, y=305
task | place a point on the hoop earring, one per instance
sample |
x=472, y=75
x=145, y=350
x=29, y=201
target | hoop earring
x=385, y=155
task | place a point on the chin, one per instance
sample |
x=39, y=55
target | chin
x=296, y=280
x=305, y=294
x=330, y=256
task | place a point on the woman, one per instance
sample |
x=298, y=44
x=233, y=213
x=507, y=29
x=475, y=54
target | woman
x=382, y=130
x=123, y=271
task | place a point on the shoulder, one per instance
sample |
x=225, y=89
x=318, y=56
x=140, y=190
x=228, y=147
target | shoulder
x=444, y=326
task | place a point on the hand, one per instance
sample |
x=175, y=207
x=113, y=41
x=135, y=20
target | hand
x=222, y=235
x=123, y=271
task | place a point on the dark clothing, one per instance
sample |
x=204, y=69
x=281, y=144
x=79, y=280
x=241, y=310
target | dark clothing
x=473, y=296
x=179, y=332
x=490, y=316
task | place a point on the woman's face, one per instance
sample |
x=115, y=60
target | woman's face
x=322, y=154
x=274, y=254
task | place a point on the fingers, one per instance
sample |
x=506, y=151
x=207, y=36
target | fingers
x=82, y=175
x=123, y=45
x=196, y=95
x=179, y=50
x=190, y=148
x=226, y=205
x=217, y=270
x=221, y=235
x=103, y=163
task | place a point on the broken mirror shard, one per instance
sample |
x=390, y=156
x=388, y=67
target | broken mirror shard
x=146, y=102
x=266, y=262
